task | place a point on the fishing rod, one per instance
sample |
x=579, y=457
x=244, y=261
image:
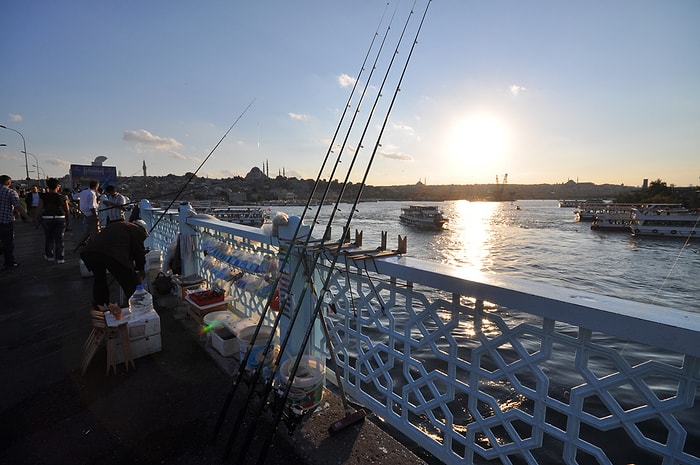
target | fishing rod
x=243, y=364
x=320, y=298
x=160, y=217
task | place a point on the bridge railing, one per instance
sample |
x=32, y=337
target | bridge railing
x=486, y=369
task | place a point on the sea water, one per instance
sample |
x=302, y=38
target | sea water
x=535, y=240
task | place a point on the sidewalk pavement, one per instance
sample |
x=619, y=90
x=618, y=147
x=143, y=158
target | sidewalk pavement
x=162, y=412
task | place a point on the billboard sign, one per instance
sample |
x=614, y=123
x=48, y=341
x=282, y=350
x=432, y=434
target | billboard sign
x=81, y=175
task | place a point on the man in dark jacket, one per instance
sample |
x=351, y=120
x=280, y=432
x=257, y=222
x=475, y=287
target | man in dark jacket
x=118, y=248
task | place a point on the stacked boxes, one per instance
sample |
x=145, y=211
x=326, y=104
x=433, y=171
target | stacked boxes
x=144, y=335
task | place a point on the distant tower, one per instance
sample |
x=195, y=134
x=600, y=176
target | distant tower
x=645, y=183
x=144, y=169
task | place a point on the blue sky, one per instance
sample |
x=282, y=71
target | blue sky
x=546, y=91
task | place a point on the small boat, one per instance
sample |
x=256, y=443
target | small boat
x=423, y=216
x=665, y=223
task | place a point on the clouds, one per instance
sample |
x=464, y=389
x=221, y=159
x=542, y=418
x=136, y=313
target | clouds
x=15, y=117
x=346, y=81
x=141, y=137
x=516, y=89
x=298, y=116
x=395, y=155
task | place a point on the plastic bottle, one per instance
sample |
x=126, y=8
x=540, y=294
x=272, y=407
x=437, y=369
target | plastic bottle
x=140, y=301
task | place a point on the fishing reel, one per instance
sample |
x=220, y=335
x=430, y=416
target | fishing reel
x=292, y=415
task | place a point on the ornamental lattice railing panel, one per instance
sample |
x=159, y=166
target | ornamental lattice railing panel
x=473, y=381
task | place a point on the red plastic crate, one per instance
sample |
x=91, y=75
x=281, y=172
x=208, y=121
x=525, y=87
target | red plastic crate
x=207, y=297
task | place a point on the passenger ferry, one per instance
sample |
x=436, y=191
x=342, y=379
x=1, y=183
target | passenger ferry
x=664, y=222
x=249, y=216
x=424, y=217
x=618, y=216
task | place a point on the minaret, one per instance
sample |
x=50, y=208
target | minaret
x=144, y=169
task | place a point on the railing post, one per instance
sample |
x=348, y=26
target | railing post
x=188, y=236
x=296, y=287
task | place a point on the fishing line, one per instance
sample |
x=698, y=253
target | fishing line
x=201, y=165
x=300, y=299
x=314, y=222
x=286, y=259
x=675, y=262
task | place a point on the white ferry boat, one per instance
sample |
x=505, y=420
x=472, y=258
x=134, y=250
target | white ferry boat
x=566, y=203
x=423, y=217
x=666, y=223
x=249, y=216
x=618, y=216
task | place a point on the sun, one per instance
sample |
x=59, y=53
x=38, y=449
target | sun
x=479, y=141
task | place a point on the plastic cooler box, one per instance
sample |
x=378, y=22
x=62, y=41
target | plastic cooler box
x=144, y=335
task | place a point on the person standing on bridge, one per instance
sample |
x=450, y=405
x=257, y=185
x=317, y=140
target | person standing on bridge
x=88, y=205
x=53, y=212
x=9, y=206
x=115, y=203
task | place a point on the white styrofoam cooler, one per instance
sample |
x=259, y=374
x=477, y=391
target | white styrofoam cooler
x=144, y=335
x=224, y=338
x=224, y=341
x=141, y=347
x=144, y=324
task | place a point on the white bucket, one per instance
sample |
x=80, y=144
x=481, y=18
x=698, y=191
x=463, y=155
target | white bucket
x=245, y=336
x=307, y=388
x=214, y=320
x=217, y=318
x=238, y=325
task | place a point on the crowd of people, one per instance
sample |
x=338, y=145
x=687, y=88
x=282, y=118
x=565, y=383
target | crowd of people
x=108, y=241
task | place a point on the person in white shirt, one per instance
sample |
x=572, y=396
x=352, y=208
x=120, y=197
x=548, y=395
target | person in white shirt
x=114, y=204
x=88, y=205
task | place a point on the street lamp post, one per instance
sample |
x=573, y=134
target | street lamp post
x=24, y=143
x=37, y=163
x=39, y=172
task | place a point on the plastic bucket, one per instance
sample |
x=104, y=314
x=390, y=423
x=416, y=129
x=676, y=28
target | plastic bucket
x=217, y=318
x=245, y=336
x=307, y=388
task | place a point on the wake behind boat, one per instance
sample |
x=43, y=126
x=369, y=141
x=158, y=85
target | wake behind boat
x=427, y=217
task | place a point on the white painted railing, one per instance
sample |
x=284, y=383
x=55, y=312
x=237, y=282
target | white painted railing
x=476, y=368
